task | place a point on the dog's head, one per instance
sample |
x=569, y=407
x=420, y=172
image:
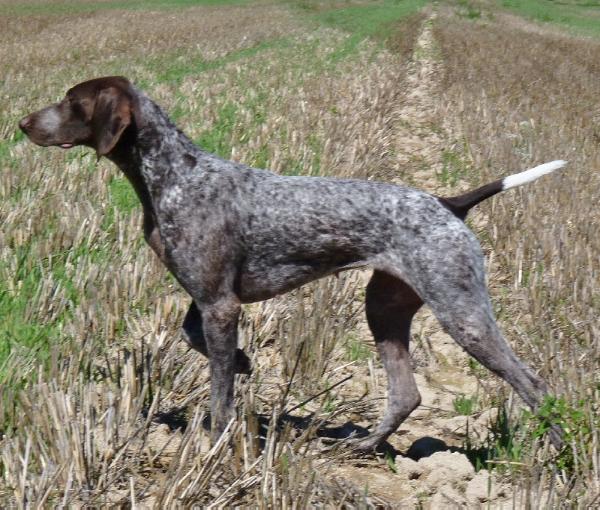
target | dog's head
x=93, y=113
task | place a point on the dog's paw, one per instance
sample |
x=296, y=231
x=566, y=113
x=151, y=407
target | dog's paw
x=242, y=363
x=363, y=447
x=371, y=446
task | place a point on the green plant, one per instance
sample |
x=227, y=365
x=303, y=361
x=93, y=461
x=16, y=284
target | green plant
x=330, y=403
x=573, y=419
x=469, y=10
x=454, y=167
x=356, y=349
x=503, y=446
x=476, y=368
x=218, y=139
x=369, y=20
x=578, y=16
x=391, y=463
x=465, y=406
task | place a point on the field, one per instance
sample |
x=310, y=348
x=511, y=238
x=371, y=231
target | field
x=101, y=402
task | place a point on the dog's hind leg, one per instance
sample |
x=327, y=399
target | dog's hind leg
x=390, y=307
x=193, y=334
x=453, y=285
x=476, y=331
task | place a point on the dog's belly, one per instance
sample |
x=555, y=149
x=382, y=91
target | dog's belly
x=257, y=282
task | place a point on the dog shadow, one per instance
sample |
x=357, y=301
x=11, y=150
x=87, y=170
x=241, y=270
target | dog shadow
x=176, y=419
x=427, y=446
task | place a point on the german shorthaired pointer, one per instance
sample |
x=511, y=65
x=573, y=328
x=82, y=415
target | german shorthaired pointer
x=232, y=234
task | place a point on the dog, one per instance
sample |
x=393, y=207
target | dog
x=231, y=234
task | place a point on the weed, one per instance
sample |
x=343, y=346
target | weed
x=90, y=359
x=465, y=406
x=510, y=123
x=469, y=9
x=122, y=195
x=572, y=419
x=71, y=6
x=330, y=403
x=175, y=68
x=476, y=368
x=362, y=21
x=454, y=168
x=391, y=464
x=356, y=349
x=502, y=449
x=218, y=139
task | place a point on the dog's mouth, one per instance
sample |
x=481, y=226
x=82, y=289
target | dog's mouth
x=62, y=145
x=43, y=141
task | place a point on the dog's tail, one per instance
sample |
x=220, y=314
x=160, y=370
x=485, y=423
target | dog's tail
x=461, y=204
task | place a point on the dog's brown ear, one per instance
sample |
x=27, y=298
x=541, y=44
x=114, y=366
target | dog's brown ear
x=112, y=114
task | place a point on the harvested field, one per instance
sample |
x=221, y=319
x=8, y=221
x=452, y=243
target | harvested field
x=102, y=404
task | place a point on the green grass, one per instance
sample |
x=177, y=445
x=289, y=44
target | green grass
x=357, y=350
x=17, y=329
x=374, y=20
x=174, y=69
x=503, y=448
x=469, y=10
x=122, y=195
x=455, y=167
x=24, y=325
x=218, y=139
x=582, y=17
x=19, y=326
x=465, y=406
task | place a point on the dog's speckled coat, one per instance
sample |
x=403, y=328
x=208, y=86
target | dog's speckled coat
x=232, y=234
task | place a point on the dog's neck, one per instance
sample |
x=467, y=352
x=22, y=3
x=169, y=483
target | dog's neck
x=147, y=154
x=152, y=144
x=149, y=149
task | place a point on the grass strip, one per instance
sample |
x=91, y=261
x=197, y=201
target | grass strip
x=375, y=20
x=580, y=17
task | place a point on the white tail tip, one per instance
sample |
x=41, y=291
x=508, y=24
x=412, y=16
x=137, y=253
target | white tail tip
x=532, y=174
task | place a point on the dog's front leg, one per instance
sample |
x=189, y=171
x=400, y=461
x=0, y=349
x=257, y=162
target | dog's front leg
x=220, y=321
x=193, y=334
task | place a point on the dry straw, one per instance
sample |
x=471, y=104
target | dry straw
x=113, y=413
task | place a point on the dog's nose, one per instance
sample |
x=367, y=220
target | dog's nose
x=25, y=123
